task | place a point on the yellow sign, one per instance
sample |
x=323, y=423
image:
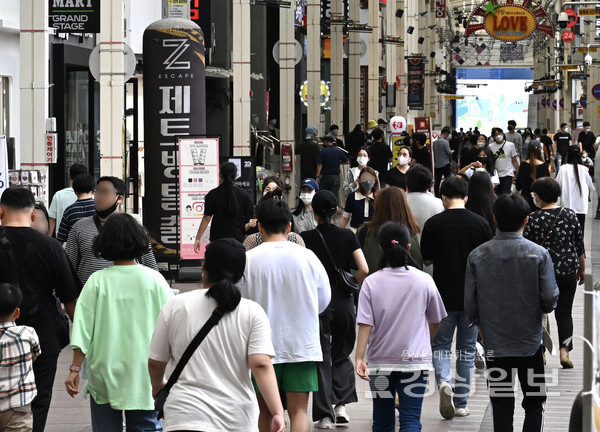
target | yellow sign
x=584, y=50
x=588, y=12
x=510, y=23
x=569, y=67
x=397, y=144
x=453, y=97
x=324, y=93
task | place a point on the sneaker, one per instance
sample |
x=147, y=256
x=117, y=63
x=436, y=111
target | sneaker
x=461, y=412
x=479, y=359
x=325, y=423
x=341, y=416
x=446, y=403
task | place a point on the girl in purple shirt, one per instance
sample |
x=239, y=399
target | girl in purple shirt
x=399, y=311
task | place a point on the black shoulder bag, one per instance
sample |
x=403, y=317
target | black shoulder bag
x=343, y=279
x=159, y=402
x=499, y=151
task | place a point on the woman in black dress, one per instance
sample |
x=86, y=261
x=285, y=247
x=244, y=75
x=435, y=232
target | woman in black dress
x=531, y=169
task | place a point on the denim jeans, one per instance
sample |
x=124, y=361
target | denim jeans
x=107, y=419
x=410, y=387
x=330, y=182
x=465, y=355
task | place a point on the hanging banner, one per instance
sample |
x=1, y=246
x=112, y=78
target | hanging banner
x=416, y=80
x=74, y=16
x=3, y=164
x=198, y=174
x=440, y=8
x=423, y=125
x=174, y=106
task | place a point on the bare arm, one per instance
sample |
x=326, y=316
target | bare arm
x=157, y=376
x=515, y=162
x=319, y=168
x=72, y=382
x=433, y=328
x=361, y=265
x=364, y=332
x=70, y=308
x=264, y=374
x=581, y=270
x=203, y=224
x=475, y=164
x=51, y=225
x=344, y=221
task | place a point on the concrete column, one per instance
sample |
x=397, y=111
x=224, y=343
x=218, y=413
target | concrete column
x=337, y=67
x=112, y=93
x=241, y=78
x=391, y=50
x=401, y=107
x=34, y=56
x=373, y=50
x=313, y=63
x=354, y=68
x=286, y=88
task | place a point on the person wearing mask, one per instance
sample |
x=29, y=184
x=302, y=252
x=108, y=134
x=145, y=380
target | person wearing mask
x=64, y=197
x=84, y=186
x=271, y=186
x=532, y=168
x=334, y=131
x=422, y=203
x=470, y=150
x=548, y=148
x=576, y=185
x=201, y=397
x=328, y=166
x=484, y=162
x=482, y=197
x=351, y=181
x=355, y=142
x=421, y=153
x=399, y=311
x=303, y=218
x=506, y=161
x=292, y=286
x=337, y=323
x=562, y=142
x=586, y=140
x=371, y=126
x=442, y=157
x=509, y=285
x=380, y=154
x=359, y=205
x=527, y=138
x=455, y=143
x=558, y=230
x=309, y=150
x=516, y=138
x=447, y=239
x=396, y=176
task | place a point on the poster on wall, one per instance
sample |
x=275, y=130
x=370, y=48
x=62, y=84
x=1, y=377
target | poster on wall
x=416, y=80
x=246, y=174
x=198, y=174
x=69, y=16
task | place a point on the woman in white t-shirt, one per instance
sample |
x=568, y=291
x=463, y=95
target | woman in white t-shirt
x=576, y=184
x=214, y=391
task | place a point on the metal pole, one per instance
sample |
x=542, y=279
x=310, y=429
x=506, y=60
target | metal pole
x=313, y=63
x=391, y=50
x=354, y=68
x=373, y=76
x=241, y=77
x=337, y=67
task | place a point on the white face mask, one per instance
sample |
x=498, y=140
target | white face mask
x=499, y=138
x=307, y=197
x=334, y=132
x=362, y=160
x=480, y=144
x=566, y=130
x=403, y=160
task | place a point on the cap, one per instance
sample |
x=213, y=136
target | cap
x=574, y=149
x=311, y=130
x=371, y=124
x=324, y=203
x=311, y=183
x=334, y=126
x=382, y=121
x=377, y=133
x=535, y=144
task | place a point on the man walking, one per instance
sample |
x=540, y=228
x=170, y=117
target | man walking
x=447, y=240
x=516, y=139
x=292, y=286
x=562, y=142
x=442, y=159
x=507, y=162
x=380, y=155
x=586, y=140
x=64, y=198
x=41, y=268
x=509, y=285
x=84, y=186
x=328, y=166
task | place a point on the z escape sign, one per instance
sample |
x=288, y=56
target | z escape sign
x=74, y=16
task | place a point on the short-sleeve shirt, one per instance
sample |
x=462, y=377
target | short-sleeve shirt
x=379, y=156
x=422, y=156
x=359, y=209
x=447, y=239
x=396, y=178
x=562, y=140
x=330, y=158
x=60, y=201
x=201, y=397
x=44, y=269
x=399, y=303
x=19, y=345
x=114, y=320
x=504, y=164
x=76, y=211
x=225, y=225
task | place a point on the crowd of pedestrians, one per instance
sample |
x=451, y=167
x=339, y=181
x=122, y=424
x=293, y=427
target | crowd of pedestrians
x=461, y=242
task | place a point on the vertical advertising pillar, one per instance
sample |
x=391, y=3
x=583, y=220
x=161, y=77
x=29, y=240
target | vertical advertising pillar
x=174, y=106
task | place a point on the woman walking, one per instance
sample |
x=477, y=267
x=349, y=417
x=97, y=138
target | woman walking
x=531, y=169
x=359, y=205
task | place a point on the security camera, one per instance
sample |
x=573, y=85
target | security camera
x=588, y=59
x=563, y=19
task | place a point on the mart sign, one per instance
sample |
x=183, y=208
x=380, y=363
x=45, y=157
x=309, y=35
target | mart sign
x=74, y=16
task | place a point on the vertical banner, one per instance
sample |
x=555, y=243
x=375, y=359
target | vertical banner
x=174, y=106
x=246, y=169
x=423, y=125
x=3, y=164
x=198, y=174
x=416, y=79
x=440, y=8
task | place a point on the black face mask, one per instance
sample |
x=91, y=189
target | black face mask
x=483, y=160
x=103, y=214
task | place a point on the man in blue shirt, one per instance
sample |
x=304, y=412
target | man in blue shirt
x=509, y=285
x=328, y=166
x=442, y=159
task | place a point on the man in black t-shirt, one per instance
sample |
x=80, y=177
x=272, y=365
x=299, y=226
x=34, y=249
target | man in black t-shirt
x=380, y=155
x=547, y=142
x=41, y=269
x=586, y=140
x=446, y=241
x=562, y=142
x=421, y=153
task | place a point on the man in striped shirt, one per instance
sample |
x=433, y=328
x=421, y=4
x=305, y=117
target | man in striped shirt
x=83, y=185
x=109, y=195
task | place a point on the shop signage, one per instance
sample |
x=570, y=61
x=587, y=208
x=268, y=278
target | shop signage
x=453, y=97
x=588, y=12
x=416, y=81
x=50, y=143
x=174, y=107
x=440, y=8
x=510, y=22
x=74, y=16
x=324, y=94
x=572, y=18
x=596, y=91
x=246, y=171
x=568, y=36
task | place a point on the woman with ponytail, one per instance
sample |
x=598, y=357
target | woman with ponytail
x=399, y=311
x=575, y=184
x=218, y=371
x=229, y=207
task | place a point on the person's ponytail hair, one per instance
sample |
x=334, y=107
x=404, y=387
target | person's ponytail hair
x=224, y=264
x=228, y=172
x=394, y=238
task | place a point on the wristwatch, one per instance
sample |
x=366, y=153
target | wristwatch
x=74, y=368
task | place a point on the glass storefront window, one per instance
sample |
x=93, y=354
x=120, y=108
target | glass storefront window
x=77, y=131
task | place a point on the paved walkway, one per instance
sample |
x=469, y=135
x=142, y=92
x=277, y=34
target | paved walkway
x=72, y=415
